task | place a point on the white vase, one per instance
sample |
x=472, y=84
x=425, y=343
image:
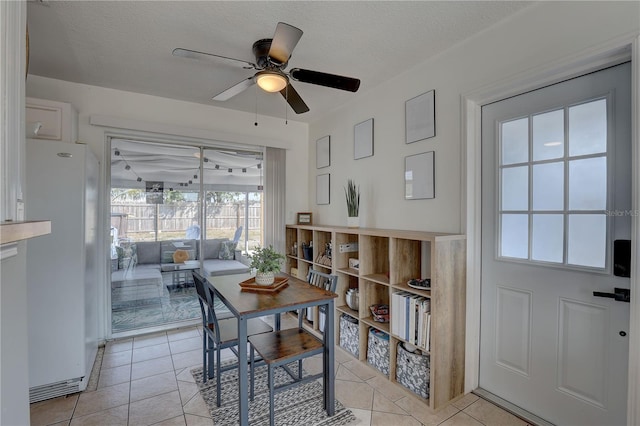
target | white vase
x=265, y=278
x=353, y=221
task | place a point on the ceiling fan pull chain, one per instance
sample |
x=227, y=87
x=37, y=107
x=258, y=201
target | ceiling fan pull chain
x=256, y=92
x=286, y=106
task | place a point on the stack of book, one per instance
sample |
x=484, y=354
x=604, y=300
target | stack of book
x=411, y=318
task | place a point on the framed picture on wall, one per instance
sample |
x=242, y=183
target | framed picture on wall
x=419, y=176
x=305, y=218
x=323, y=152
x=420, y=117
x=363, y=139
x=322, y=189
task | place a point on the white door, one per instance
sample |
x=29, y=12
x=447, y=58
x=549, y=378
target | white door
x=556, y=193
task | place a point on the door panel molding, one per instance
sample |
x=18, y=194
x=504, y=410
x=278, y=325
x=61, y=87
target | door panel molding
x=585, y=382
x=611, y=53
x=513, y=329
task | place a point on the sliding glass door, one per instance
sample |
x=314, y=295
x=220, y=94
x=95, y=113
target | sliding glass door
x=172, y=208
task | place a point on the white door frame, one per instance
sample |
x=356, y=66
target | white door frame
x=614, y=52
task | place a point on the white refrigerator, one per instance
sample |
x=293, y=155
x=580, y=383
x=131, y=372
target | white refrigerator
x=61, y=186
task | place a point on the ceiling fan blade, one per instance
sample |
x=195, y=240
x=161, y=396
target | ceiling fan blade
x=324, y=79
x=234, y=90
x=284, y=41
x=194, y=54
x=294, y=99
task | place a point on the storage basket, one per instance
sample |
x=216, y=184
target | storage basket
x=378, y=350
x=412, y=371
x=349, y=335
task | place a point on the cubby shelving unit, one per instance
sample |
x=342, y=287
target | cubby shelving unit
x=388, y=259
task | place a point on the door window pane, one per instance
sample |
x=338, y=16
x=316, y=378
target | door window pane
x=515, y=188
x=515, y=141
x=587, y=240
x=515, y=236
x=553, y=186
x=588, y=128
x=548, y=135
x=547, y=237
x=548, y=186
x=588, y=184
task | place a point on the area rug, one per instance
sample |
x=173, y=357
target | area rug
x=298, y=405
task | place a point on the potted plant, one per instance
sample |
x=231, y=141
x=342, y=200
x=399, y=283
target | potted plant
x=267, y=262
x=352, y=194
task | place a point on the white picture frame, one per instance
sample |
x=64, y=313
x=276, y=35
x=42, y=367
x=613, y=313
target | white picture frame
x=323, y=152
x=363, y=139
x=419, y=176
x=323, y=189
x=420, y=117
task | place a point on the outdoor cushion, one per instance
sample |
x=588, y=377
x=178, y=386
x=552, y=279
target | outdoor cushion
x=212, y=247
x=227, y=250
x=215, y=267
x=127, y=255
x=148, y=252
x=136, y=276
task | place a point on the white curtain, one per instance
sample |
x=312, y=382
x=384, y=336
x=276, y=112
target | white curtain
x=274, y=198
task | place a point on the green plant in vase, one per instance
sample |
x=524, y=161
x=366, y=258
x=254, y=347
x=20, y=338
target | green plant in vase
x=267, y=262
x=352, y=194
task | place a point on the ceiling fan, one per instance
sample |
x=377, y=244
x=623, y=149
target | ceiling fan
x=272, y=57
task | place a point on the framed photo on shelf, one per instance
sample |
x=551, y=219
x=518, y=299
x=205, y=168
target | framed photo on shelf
x=419, y=176
x=363, y=139
x=322, y=189
x=323, y=152
x=304, y=219
x=420, y=117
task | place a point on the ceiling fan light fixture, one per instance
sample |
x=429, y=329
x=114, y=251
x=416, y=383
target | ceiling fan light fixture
x=271, y=81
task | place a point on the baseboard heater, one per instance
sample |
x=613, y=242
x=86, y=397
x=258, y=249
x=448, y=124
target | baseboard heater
x=54, y=390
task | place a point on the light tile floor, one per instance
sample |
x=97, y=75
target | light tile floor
x=146, y=380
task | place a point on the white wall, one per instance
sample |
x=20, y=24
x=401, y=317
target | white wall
x=180, y=118
x=538, y=35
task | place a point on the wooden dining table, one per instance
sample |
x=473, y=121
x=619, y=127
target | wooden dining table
x=297, y=294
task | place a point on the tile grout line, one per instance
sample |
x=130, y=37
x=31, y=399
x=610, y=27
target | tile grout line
x=176, y=380
x=454, y=414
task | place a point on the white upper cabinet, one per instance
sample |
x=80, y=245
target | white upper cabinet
x=51, y=120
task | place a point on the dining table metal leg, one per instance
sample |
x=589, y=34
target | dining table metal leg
x=330, y=360
x=242, y=372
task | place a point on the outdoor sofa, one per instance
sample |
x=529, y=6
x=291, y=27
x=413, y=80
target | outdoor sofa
x=141, y=264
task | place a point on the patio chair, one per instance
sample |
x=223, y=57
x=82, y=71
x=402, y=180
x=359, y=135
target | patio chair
x=280, y=348
x=219, y=334
x=237, y=235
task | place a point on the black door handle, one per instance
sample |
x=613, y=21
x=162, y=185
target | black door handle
x=619, y=294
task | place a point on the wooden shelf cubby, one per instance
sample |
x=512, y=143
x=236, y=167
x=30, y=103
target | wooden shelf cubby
x=388, y=259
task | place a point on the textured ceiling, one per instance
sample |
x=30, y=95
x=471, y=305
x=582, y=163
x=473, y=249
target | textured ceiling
x=127, y=45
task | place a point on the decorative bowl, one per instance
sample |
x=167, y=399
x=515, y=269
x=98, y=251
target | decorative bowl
x=353, y=299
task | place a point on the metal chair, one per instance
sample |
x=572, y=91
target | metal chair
x=325, y=281
x=280, y=348
x=219, y=334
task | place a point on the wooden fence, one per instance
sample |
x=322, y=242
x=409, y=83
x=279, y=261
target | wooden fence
x=138, y=219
